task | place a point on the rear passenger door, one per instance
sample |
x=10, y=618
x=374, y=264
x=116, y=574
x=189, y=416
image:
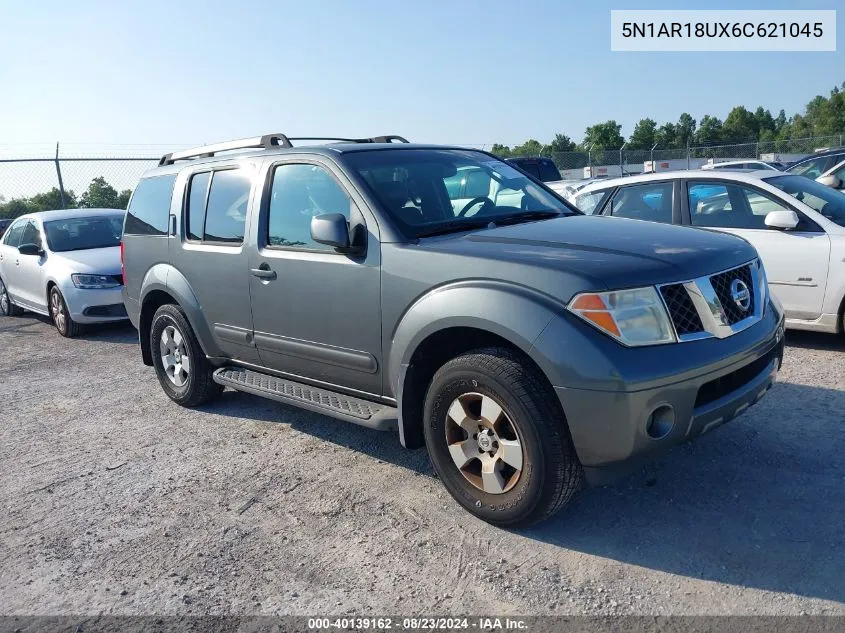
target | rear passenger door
x=211, y=255
x=10, y=258
x=316, y=312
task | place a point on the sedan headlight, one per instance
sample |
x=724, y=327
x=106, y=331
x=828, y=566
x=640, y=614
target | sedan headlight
x=633, y=317
x=93, y=282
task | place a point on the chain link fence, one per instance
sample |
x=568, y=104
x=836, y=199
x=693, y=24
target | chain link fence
x=35, y=178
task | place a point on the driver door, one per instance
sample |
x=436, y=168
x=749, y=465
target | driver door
x=32, y=291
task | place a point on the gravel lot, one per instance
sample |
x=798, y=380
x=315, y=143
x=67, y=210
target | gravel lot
x=117, y=501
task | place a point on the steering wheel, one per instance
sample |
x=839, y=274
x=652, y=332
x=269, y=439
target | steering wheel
x=483, y=199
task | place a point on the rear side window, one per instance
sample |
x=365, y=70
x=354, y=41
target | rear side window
x=225, y=209
x=13, y=235
x=150, y=206
x=548, y=172
x=651, y=202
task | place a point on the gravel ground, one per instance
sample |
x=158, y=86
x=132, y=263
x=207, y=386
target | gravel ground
x=117, y=501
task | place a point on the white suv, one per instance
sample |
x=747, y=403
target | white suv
x=795, y=223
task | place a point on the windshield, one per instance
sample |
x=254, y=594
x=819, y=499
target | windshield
x=829, y=202
x=76, y=234
x=431, y=191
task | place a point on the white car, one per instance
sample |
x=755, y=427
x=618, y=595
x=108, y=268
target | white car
x=65, y=265
x=796, y=224
x=742, y=165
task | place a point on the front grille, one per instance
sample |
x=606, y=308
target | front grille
x=722, y=386
x=722, y=286
x=113, y=310
x=681, y=309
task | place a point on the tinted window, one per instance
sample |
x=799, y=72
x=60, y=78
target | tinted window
x=13, y=235
x=31, y=235
x=548, y=171
x=531, y=168
x=815, y=167
x=197, y=193
x=77, y=234
x=651, y=201
x=227, y=206
x=149, y=209
x=299, y=193
x=730, y=206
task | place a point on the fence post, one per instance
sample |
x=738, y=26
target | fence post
x=59, y=174
x=688, y=155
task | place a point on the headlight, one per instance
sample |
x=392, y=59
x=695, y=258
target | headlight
x=633, y=317
x=93, y=282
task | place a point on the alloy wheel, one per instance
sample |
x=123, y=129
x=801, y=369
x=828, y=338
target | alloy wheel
x=174, y=356
x=484, y=443
x=4, y=299
x=57, y=311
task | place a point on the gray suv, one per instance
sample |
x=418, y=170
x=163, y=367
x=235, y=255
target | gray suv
x=442, y=292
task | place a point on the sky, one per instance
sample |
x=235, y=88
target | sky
x=472, y=72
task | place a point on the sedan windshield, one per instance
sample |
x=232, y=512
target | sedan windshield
x=829, y=202
x=76, y=234
x=431, y=191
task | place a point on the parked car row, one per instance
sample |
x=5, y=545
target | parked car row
x=438, y=291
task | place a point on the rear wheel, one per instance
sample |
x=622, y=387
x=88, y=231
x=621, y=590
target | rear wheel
x=66, y=326
x=498, y=438
x=7, y=308
x=181, y=366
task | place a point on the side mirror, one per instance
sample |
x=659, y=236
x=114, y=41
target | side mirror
x=830, y=181
x=331, y=229
x=785, y=220
x=30, y=249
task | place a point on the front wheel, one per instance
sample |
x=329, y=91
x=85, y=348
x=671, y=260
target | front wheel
x=66, y=326
x=180, y=364
x=498, y=439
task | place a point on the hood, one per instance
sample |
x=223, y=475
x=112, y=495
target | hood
x=98, y=261
x=614, y=252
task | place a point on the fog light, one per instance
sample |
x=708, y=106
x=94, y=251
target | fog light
x=660, y=422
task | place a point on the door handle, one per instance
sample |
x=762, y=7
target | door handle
x=264, y=272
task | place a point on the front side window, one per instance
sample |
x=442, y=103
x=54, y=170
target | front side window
x=31, y=234
x=78, y=234
x=13, y=234
x=826, y=201
x=149, y=208
x=813, y=168
x=226, y=209
x=720, y=205
x=651, y=202
x=299, y=193
x=418, y=188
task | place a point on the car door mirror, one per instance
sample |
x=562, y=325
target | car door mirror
x=30, y=249
x=331, y=229
x=830, y=181
x=785, y=220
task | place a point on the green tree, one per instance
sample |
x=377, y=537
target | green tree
x=740, y=126
x=500, y=150
x=709, y=131
x=123, y=199
x=52, y=199
x=16, y=207
x=99, y=195
x=685, y=130
x=666, y=135
x=531, y=147
x=607, y=135
x=643, y=135
x=765, y=122
x=561, y=143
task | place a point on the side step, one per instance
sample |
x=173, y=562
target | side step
x=337, y=405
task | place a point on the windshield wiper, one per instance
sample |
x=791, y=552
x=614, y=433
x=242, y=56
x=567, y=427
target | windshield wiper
x=455, y=227
x=528, y=216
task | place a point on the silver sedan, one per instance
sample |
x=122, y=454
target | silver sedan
x=65, y=265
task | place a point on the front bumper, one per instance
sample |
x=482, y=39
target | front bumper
x=613, y=430
x=94, y=306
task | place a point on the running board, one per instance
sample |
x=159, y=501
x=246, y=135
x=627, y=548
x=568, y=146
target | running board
x=337, y=405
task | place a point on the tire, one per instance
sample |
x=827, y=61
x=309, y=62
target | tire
x=189, y=386
x=7, y=308
x=491, y=380
x=60, y=315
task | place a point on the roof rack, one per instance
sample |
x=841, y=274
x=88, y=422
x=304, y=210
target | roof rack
x=268, y=141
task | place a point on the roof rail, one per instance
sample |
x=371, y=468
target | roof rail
x=268, y=141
